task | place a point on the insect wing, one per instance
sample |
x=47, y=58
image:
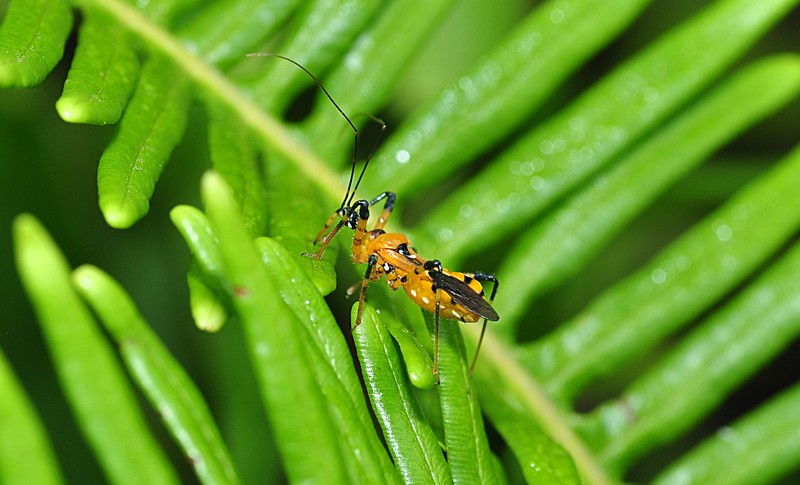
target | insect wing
x=464, y=295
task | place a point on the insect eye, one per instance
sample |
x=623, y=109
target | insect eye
x=352, y=220
x=403, y=249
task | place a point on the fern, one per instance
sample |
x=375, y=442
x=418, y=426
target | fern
x=535, y=175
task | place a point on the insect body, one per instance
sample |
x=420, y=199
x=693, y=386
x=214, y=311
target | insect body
x=446, y=294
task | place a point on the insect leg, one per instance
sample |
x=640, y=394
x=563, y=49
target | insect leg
x=495, y=284
x=327, y=238
x=357, y=220
x=336, y=215
x=436, y=338
x=434, y=266
x=388, y=206
x=373, y=259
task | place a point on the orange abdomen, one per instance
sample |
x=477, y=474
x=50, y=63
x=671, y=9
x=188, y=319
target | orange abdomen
x=420, y=292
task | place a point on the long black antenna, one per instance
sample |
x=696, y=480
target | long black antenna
x=349, y=195
x=369, y=156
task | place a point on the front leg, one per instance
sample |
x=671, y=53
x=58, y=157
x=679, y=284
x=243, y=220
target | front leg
x=388, y=207
x=325, y=239
x=355, y=217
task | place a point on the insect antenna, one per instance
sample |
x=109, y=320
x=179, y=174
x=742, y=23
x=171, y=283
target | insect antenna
x=382, y=124
x=351, y=189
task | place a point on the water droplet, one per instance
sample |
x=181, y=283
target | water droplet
x=557, y=16
x=658, y=276
x=726, y=433
x=651, y=94
x=527, y=43
x=355, y=62
x=577, y=123
x=449, y=96
x=490, y=72
x=502, y=205
x=722, y=230
x=402, y=156
x=527, y=168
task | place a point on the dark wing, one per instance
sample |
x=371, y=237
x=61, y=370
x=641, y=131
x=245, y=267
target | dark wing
x=464, y=295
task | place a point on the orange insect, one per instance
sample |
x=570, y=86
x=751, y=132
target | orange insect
x=445, y=293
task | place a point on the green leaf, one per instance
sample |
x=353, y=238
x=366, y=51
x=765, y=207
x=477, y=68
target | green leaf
x=336, y=379
x=196, y=230
x=233, y=155
x=413, y=444
x=565, y=240
x=208, y=305
x=654, y=119
x=226, y=30
x=419, y=365
x=151, y=127
x=96, y=387
x=675, y=286
x=374, y=66
x=32, y=40
x=206, y=276
x=717, y=357
x=156, y=116
x=542, y=460
x=216, y=87
x=296, y=406
x=503, y=89
x=296, y=216
x=162, y=13
x=25, y=452
x=465, y=436
x=322, y=31
x=586, y=135
x=310, y=308
x=508, y=386
x=759, y=448
x=102, y=75
x=160, y=377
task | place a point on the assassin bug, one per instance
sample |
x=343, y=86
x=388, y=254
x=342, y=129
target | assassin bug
x=445, y=293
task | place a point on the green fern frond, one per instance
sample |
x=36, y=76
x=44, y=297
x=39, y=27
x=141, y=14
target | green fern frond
x=532, y=163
